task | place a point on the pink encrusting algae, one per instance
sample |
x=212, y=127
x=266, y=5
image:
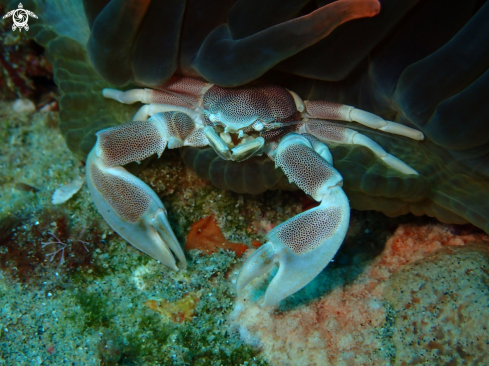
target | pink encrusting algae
x=351, y=323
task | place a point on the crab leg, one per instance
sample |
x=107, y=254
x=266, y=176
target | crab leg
x=332, y=133
x=178, y=94
x=329, y=110
x=130, y=206
x=303, y=245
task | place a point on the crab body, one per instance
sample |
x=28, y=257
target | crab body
x=238, y=123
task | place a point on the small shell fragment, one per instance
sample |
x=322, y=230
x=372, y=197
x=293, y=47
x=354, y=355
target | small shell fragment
x=65, y=192
x=23, y=106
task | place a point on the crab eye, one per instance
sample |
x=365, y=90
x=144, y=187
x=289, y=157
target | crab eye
x=258, y=126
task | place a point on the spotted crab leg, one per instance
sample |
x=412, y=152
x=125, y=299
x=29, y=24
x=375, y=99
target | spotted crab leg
x=130, y=206
x=341, y=135
x=177, y=94
x=303, y=245
x=335, y=111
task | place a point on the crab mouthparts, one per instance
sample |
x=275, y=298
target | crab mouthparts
x=235, y=139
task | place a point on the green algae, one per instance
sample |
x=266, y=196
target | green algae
x=143, y=336
x=94, y=306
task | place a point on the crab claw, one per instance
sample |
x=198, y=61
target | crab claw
x=305, y=244
x=288, y=246
x=128, y=205
x=134, y=211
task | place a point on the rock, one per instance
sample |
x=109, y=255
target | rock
x=442, y=307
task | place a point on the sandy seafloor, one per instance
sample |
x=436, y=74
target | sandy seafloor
x=401, y=291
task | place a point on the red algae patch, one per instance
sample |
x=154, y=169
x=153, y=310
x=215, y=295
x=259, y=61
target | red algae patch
x=206, y=236
x=255, y=243
x=369, y=320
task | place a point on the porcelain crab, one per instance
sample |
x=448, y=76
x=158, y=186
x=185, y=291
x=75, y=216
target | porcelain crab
x=238, y=123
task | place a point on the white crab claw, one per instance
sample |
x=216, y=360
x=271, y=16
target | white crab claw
x=303, y=245
x=260, y=262
x=289, y=245
x=133, y=210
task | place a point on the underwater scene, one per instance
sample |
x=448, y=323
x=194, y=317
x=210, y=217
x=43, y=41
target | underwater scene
x=244, y=182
